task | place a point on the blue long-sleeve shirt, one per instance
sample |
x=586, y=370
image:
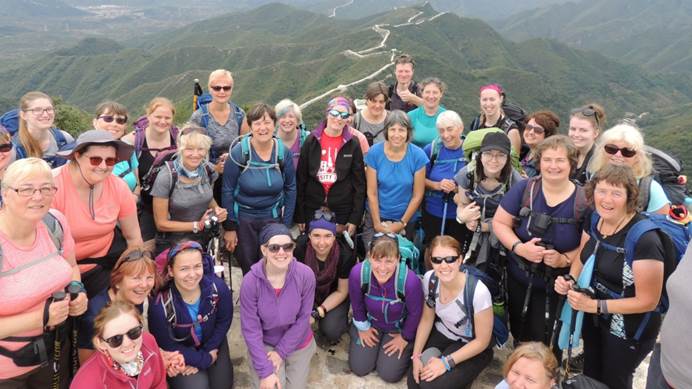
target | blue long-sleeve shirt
x=214, y=330
x=261, y=190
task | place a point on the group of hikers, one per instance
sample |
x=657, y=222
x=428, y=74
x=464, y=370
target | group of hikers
x=427, y=242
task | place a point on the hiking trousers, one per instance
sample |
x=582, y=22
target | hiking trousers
x=293, y=373
x=218, y=376
x=363, y=360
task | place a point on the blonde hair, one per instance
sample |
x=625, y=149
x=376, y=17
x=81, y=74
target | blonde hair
x=31, y=145
x=195, y=138
x=219, y=73
x=158, y=102
x=629, y=134
x=535, y=351
x=110, y=312
x=23, y=168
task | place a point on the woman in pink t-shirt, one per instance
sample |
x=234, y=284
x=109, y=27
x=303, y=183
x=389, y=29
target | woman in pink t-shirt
x=98, y=205
x=36, y=262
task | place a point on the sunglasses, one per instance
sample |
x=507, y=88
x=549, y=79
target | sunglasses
x=96, y=161
x=438, y=260
x=338, y=114
x=588, y=111
x=5, y=147
x=190, y=130
x=110, y=118
x=116, y=341
x=219, y=88
x=324, y=214
x=134, y=255
x=538, y=130
x=274, y=247
x=625, y=151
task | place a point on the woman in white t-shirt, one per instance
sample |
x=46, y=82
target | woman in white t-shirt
x=451, y=349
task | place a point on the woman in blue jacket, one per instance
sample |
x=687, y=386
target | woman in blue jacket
x=259, y=186
x=193, y=292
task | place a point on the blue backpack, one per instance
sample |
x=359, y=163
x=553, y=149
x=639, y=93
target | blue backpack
x=10, y=120
x=473, y=275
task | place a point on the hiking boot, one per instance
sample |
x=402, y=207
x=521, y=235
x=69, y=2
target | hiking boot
x=576, y=364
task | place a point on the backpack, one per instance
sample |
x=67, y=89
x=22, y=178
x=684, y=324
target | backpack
x=473, y=275
x=60, y=140
x=10, y=120
x=140, y=126
x=472, y=145
x=435, y=148
x=674, y=236
x=400, y=277
x=667, y=171
x=202, y=104
x=515, y=113
x=165, y=159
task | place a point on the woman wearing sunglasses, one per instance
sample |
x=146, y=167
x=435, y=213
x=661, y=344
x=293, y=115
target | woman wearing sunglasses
x=259, y=186
x=395, y=180
x=183, y=192
x=276, y=298
x=28, y=315
x=451, y=349
x=331, y=260
x=36, y=136
x=192, y=314
x=331, y=172
x=98, y=205
x=585, y=124
x=127, y=357
x=624, y=145
x=387, y=302
x=112, y=117
x=424, y=118
x=539, y=125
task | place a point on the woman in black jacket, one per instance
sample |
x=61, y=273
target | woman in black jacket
x=331, y=172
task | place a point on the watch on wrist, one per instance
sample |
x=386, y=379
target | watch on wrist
x=195, y=227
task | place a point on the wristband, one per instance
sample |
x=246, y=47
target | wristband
x=195, y=227
x=514, y=246
x=598, y=307
x=444, y=362
x=450, y=361
x=604, y=307
x=415, y=356
x=402, y=222
x=315, y=315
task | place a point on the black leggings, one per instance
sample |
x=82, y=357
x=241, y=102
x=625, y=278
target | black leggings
x=432, y=226
x=462, y=375
x=218, y=376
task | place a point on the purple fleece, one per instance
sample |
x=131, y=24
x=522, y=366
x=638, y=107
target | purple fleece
x=281, y=321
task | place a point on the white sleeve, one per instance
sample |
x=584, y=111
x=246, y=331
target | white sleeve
x=481, y=298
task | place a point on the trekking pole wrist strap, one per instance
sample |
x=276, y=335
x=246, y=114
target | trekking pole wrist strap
x=46, y=314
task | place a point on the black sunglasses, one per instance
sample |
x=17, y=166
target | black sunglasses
x=274, y=247
x=588, y=111
x=116, y=341
x=110, y=118
x=536, y=129
x=5, y=147
x=438, y=260
x=625, y=151
x=218, y=88
x=134, y=255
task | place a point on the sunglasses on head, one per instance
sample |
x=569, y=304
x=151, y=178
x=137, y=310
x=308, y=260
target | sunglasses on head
x=275, y=247
x=134, y=255
x=116, y=341
x=96, y=161
x=324, y=214
x=5, y=147
x=625, y=151
x=338, y=114
x=438, y=260
x=110, y=118
x=190, y=130
x=219, y=88
x=536, y=129
x=588, y=111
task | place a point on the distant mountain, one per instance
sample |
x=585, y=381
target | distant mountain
x=37, y=8
x=656, y=34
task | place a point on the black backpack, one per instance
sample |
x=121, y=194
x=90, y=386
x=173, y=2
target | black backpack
x=667, y=171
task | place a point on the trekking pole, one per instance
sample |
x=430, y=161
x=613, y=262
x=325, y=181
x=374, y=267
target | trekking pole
x=196, y=93
x=74, y=290
x=445, y=200
x=527, y=298
x=55, y=382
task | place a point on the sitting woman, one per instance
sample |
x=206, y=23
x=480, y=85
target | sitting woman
x=451, y=349
x=192, y=314
x=624, y=145
x=112, y=117
x=621, y=321
x=127, y=357
x=98, y=206
x=276, y=298
x=396, y=180
x=387, y=302
x=31, y=289
x=290, y=128
x=183, y=192
x=331, y=260
x=539, y=223
x=36, y=136
x=539, y=125
x=259, y=186
x=531, y=365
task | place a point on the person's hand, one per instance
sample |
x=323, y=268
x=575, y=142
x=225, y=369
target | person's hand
x=531, y=251
x=301, y=227
x=554, y=259
x=405, y=95
x=189, y=370
x=581, y=302
x=218, y=167
x=221, y=213
x=416, y=368
x=397, y=227
x=469, y=213
x=174, y=362
x=231, y=239
x=471, y=225
x=204, y=217
x=58, y=312
x=270, y=382
x=396, y=345
x=351, y=229
x=79, y=305
x=368, y=338
x=447, y=185
x=433, y=369
x=562, y=285
x=276, y=360
x=214, y=355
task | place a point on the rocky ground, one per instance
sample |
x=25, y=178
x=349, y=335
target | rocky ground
x=329, y=366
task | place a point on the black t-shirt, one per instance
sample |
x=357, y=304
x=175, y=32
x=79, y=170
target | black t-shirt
x=608, y=269
x=347, y=259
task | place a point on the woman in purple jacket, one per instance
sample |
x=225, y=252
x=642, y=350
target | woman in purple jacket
x=387, y=302
x=276, y=299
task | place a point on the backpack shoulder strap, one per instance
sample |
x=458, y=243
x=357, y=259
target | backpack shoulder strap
x=581, y=204
x=174, y=177
x=239, y=115
x=139, y=140
x=356, y=120
x=401, y=276
x=529, y=195
x=280, y=153
x=467, y=306
x=634, y=235
x=168, y=306
x=432, y=290
x=55, y=230
x=60, y=139
x=365, y=272
x=204, y=118
x=20, y=151
x=644, y=189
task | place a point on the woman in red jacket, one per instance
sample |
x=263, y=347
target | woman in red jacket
x=127, y=358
